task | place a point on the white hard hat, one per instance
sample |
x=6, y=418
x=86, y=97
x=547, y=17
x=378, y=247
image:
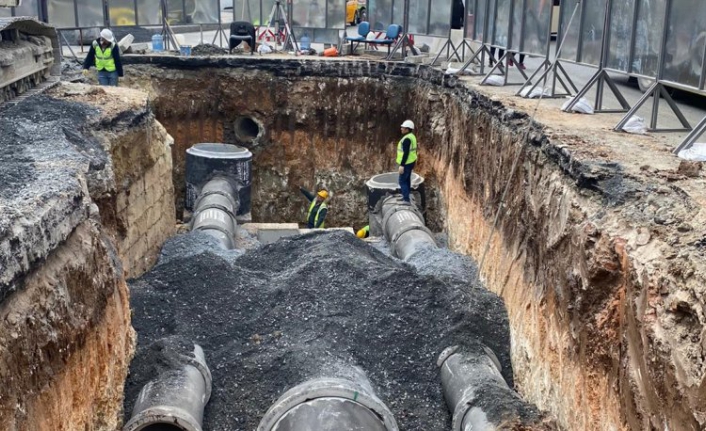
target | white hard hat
x=408, y=124
x=107, y=35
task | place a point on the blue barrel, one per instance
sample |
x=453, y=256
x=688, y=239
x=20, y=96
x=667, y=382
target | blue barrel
x=157, y=43
x=185, y=50
x=305, y=43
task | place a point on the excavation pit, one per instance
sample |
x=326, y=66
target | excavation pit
x=599, y=263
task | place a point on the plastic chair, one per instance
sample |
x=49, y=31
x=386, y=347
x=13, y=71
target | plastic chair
x=363, y=30
x=393, y=32
x=241, y=31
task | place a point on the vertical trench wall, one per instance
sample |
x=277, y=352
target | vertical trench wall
x=587, y=312
x=94, y=207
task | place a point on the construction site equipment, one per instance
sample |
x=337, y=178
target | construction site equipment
x=215, y=211
x=175, y=400
x=206, y=161
x=277, y=17
x=29, y=55
x=330, y=404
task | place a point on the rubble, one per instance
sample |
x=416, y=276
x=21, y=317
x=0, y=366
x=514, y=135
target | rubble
x=288, y=311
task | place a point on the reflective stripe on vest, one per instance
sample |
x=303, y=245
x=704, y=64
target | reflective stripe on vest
x=104, y=59
x=412, y=157
x=318, y=213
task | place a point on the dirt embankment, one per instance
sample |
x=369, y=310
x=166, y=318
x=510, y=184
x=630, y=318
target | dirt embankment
x=65, y=334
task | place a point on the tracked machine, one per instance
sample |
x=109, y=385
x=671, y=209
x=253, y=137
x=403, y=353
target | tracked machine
x=29, y=56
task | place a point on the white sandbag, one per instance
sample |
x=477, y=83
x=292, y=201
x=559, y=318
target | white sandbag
x=635, y=125
x=696, y=153
x=264, y=48
x=455, y=71
x=495, y=80
x=536, y=93
x=583, y=106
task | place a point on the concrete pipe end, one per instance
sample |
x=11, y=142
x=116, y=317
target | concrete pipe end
x=210, y=150
x=163, y=418
x=248, y=129
x=390, y=181
x=331, y=391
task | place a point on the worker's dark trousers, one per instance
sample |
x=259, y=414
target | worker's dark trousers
x=406, y=181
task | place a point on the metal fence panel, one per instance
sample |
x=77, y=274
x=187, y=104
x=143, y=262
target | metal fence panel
x=491, y=11
x=593, y=19
x=418, y=16
x=318, y=35
x=201, y=11
x=648, y=36
x=330, y=14
x=518, y=12
x=501, y=26
x=149, y=12
x=622, y=16
x=90, y=13
x=61, y=13
x=686, y=41
x=440, y=18
x=538, y=17
x=121, y=13
x=5, y=12
x=246, y=10
x=470, y=23
x=398, y=12
x=569, y=32
x=380, y=14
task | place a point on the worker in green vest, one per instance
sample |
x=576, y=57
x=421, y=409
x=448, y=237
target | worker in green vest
x=105, y=56
x=406, y=158
x=316, y=215
x=364, y=232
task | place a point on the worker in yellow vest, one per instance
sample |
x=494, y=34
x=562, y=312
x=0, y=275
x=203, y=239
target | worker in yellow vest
x=316, y=215
x=406, y=158
x=364, y=232
x=105, y=56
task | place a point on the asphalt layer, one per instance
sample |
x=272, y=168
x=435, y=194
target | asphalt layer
x=273, y=317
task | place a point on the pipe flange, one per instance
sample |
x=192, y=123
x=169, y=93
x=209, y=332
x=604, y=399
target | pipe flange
x=211, y=207
x=445, y=354
x=409, y=228
x=198, y=361
x=227, y=195
x=163, y=415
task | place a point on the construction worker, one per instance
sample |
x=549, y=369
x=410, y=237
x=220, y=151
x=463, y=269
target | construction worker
x=406, y=158
x=316, y=216
x=105, y=56
x=364, y=232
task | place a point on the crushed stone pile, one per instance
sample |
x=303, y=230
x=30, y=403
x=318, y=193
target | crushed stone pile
x=208, y=49
x=271, y=318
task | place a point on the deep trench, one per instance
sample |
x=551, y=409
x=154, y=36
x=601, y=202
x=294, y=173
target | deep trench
x=335, y=139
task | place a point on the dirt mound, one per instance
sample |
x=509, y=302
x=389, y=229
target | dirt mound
x=289, y=311
x=208, y=49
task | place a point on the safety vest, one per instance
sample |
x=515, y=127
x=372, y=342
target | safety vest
x=412, y=157
x=104, y=59
x=364, y=232
x=318, y=213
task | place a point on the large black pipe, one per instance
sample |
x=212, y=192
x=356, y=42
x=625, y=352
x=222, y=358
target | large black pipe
x=478, y=396
x=176, y=399
x=383, y=185
x=403, y=226
x=342, y=402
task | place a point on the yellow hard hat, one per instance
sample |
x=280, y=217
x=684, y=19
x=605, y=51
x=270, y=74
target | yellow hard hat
x=361, y=233
x=323, y=194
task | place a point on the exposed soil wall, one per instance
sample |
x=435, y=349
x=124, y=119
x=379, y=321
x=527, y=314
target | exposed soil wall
x=605, y=302
x=65, y=334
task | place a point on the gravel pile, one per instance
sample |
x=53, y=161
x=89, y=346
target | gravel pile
x=208, y=49
x=281, y=314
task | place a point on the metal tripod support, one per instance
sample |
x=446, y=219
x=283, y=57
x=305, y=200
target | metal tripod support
x=403, y=41
x=541, y=74
x=655, y=91
x=510, y=56
x=278, y=13
x=167, y=32
x=601, y=77
x=691, y=138
x=449, y=46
